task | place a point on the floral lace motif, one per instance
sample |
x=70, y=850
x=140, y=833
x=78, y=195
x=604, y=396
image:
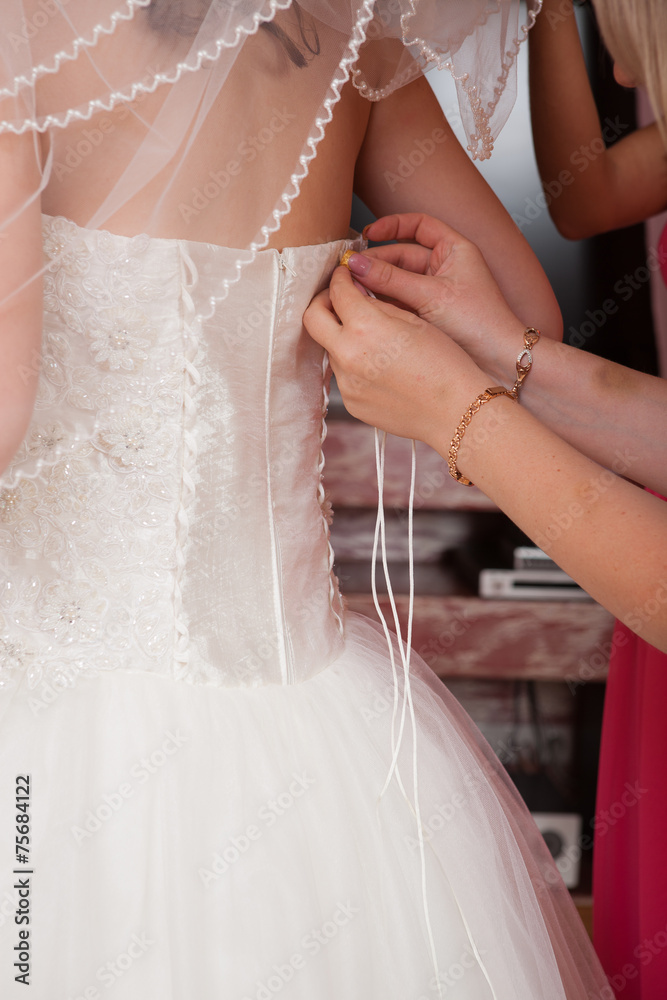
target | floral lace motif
x=87, y=508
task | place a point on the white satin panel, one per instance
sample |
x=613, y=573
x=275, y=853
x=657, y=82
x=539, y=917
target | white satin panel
x=257, y=591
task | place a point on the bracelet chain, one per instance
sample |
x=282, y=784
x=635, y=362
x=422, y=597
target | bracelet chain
x=524, y=363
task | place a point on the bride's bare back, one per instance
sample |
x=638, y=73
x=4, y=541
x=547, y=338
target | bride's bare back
x=233, y=171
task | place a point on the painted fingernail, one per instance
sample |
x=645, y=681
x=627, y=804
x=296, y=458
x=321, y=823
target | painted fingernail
x=358, y=264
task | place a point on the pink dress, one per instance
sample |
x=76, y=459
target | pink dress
x=630, y=866
x=630, y=860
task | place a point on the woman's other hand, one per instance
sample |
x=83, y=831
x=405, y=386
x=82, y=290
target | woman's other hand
x=443, y=277
x=394, y=370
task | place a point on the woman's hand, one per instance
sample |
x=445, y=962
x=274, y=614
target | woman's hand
x=444, y=278
x=394, y=370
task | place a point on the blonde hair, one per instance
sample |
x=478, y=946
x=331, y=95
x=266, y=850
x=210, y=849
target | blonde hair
x=635, y=32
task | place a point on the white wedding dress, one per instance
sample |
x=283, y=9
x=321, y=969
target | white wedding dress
x=206, y=731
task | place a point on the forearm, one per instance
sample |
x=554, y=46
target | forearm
x=591, y=189
x=610, y=536
x=616, y=416
x=565, y=122
x=563, y=111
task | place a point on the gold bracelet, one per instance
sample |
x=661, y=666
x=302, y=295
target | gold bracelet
x=524, y=363
x=484, y=397
x=530, y=338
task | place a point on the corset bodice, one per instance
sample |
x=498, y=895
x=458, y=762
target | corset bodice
x=165, y=511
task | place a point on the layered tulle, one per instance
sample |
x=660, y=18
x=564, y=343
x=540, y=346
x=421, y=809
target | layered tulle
x=191, y=841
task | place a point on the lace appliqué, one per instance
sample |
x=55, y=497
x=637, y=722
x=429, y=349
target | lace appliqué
x=88, y=506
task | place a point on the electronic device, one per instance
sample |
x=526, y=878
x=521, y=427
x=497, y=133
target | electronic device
x=530, y=584
x=562, y=834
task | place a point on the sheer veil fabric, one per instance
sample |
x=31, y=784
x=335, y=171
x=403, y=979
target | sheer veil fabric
x=173, y=108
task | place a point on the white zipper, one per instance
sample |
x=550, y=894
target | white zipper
x=287, y=666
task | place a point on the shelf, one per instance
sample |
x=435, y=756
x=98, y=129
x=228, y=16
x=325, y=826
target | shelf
x=475, y=638
x=350, y=480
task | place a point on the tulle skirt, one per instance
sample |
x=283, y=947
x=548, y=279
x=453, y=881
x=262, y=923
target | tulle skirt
x=204, y=843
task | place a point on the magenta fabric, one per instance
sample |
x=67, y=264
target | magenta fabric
x=630, y=850
x=630, y=855
x=662, y=256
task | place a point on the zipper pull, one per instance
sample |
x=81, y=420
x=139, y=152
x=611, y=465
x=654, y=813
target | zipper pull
x=284, y=266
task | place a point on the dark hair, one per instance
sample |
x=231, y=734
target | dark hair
x=169, y=16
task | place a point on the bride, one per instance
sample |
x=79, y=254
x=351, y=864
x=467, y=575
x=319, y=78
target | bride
x=196, y=801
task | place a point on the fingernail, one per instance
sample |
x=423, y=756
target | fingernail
x=361, y=288
x=364, y=231
x=358, y=264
